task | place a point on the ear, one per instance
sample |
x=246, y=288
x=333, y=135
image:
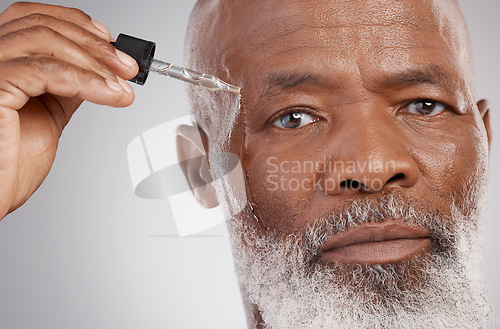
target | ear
x=484, y=110
x=193, y=160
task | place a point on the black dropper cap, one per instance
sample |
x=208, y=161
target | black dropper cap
x=141, y=50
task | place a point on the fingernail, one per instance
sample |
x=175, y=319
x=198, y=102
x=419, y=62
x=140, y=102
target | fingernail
x=125, y=59
x=114, y=85
x=101, y=27
x=128, y=88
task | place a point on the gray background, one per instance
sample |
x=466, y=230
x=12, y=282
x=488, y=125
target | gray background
x=84, y=252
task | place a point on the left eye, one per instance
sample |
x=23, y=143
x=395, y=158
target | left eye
x=425, y=107
x=294, y=120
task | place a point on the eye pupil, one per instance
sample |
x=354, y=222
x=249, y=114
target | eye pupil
x=427, y=106
x=292, y=120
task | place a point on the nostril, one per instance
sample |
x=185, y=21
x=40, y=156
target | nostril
x=350, y=184
x=396, y=177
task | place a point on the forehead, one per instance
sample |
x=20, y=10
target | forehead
x=321, y=33
x=257, y=20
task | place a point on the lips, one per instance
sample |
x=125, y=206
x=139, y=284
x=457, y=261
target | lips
x=376, y=243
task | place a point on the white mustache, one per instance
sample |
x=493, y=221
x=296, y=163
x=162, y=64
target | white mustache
x=394, y=206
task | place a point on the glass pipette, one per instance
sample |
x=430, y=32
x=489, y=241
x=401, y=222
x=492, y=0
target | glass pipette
x=143, y=52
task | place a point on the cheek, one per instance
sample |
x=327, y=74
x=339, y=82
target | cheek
x=452, y=158
x=281, y=185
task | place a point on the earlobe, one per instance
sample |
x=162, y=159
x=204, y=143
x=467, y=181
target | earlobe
x=484, y=110
x=194, y=163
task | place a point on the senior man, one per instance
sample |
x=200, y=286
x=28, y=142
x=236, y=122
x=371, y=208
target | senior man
x=364, y=149
x=365, y=155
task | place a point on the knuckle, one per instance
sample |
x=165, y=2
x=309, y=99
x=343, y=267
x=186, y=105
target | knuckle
x=36, y=19
x=34, y=61
x=41, y=31
x=86, y=78
x=103, y=44
x=37, y=65
x=30, y=34
x=60, y=72
x=50, y=65
x=46, y=61
x=24, y=18
x=77, y=13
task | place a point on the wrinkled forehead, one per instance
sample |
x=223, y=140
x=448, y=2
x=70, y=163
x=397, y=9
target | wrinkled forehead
x=250, y=31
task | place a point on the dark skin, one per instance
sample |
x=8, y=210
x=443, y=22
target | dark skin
x=356, y=82
x=375, y=82
x=361, y=119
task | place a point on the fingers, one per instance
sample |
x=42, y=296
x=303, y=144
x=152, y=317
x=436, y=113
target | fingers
x=27, y=77
x=40, y=29
x=33, y=41
x=74, y=25
x=78, y=17
x=45, y=46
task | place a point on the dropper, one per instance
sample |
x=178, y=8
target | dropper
x=143, y=52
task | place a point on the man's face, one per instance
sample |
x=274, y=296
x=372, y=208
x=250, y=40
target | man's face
x=377, y=95
x=355, y=114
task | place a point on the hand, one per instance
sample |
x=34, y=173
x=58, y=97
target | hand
x=51, y=59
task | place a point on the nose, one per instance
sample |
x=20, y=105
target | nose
x=369, y=153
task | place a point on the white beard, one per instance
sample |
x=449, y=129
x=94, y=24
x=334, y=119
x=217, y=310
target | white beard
x=441, y=289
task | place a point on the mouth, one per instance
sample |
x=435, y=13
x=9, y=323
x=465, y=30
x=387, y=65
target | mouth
x=376, y=243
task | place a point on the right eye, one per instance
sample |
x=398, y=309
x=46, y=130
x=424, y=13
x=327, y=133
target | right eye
x=294, y=120
x=426, y=107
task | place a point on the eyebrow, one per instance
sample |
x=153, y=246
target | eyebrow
x=432, y=74
x=288, y=80
x=281, y=81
